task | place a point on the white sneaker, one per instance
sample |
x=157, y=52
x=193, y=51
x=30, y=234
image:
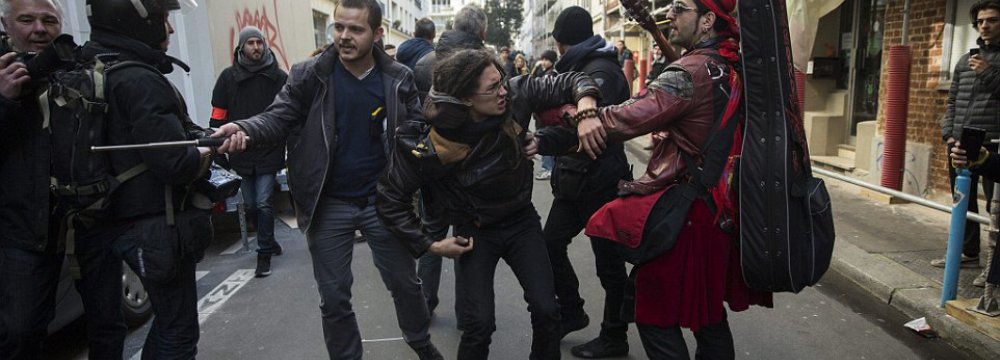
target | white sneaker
x=543, y=175
x=965, y=262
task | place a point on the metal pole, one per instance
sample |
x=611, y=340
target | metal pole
x=953, y=258
x=899, y=194
x=242, y=213
x=906, y=23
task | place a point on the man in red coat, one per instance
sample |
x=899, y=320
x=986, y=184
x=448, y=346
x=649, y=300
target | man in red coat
x=687, y=285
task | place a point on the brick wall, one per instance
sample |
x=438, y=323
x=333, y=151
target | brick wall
x=927, y=101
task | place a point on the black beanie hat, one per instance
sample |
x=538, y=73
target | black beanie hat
x=549, y=55
x=573, y=26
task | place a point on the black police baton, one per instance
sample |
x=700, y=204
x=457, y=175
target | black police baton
x=206, y=142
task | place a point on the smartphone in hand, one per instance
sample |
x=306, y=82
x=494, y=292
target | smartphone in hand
x=972, y=141
x=973, y=52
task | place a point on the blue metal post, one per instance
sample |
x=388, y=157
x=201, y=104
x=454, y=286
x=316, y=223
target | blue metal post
x=956, y=232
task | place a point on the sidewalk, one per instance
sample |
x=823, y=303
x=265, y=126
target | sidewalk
x=887, y=249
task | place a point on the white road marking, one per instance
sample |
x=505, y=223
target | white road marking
x=382, y=340
x=200, y=274
x=215, y=298
x=222, y=293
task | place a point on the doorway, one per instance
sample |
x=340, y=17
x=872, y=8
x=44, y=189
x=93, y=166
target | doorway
x=865, y=32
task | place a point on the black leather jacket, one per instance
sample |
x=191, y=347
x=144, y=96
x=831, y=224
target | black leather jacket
x=303, y=105
x=491, y=184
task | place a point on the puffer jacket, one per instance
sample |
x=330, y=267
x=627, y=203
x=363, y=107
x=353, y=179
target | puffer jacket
x=490, y=184
x=305, y=106
x=974, y=99
x=450, y=42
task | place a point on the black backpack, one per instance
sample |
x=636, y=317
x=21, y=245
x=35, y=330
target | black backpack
x=77, y=119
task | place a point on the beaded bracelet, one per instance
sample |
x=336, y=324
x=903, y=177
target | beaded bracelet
x=584, y=114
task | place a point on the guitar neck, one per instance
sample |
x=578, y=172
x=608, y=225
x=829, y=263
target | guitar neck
x=661, y=41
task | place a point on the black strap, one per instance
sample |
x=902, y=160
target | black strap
x=695, y=170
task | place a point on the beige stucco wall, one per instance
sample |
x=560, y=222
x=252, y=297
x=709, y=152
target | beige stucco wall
x=287, y=24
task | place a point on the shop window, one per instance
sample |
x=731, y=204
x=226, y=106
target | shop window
x=319, y=28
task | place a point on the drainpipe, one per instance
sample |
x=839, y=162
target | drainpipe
x=896, y=103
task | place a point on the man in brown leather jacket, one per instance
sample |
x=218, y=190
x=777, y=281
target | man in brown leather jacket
x=687, y=285
x=468, y=157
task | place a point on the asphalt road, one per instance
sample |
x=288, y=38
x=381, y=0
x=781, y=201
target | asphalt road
x=278, y=317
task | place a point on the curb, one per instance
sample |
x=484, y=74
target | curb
x=901, y=288
x=912, y=294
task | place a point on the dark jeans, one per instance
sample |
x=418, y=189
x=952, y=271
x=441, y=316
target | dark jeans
x=28, y=285
x=175, y=332
x=971, y=241
x=27, y=299
x=548, y=162
x=715, y=342
x=331, y=244
x=520, y=244
x=566, y=220
x=100, y=287
x=258, y=189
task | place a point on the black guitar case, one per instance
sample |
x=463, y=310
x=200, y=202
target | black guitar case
x=786, y=223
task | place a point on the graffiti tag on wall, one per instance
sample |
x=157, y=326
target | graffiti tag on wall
x=263, y=21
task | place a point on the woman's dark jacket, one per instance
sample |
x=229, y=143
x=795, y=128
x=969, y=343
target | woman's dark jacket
x=493, y=182
x=242, y=94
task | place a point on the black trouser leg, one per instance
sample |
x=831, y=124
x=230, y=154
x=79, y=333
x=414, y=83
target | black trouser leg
x=611, y=272
x=663, y=343
x=101, y=290
x=561, y=226
x=525, y=256
x=971, y=239
x=715, y=342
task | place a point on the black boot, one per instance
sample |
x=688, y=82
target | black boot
x=428, y=352
x=601, y=347
x=263, y=265
x=573, y=323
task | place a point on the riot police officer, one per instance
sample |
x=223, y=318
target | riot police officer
x=160, y=236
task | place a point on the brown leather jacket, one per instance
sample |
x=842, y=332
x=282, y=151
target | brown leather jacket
x=681, y=106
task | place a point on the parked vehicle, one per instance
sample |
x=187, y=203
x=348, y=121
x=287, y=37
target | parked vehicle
x=69, y=306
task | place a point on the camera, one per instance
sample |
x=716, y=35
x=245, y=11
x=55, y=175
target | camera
x=25, y=57
x=219, y=185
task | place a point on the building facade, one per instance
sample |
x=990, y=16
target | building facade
x=206, y=36
x=845, y=112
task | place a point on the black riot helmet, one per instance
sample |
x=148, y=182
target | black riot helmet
x=143, y=20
